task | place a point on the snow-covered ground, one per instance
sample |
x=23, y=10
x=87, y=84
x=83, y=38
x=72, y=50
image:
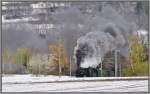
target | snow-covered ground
x=29, y=83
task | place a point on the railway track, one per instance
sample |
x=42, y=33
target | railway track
x=88, y=79
x=86, y=86
x=29, y=83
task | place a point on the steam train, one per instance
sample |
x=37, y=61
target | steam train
x=93, y=47
x=84, y=72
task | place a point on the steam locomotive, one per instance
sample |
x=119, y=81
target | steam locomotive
x=84, y=72
x=87, y=72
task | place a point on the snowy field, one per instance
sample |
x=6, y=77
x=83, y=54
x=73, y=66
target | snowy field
x=29, y=83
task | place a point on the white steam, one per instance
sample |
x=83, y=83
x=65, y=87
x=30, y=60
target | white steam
x=87, y=62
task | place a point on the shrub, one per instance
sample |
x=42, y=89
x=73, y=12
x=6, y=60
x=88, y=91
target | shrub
x=22, y=56
x=140, y=69
x=39, y=64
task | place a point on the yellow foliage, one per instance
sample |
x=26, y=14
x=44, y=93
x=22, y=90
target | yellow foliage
x=138, y=56
x=140, y=69
x=138, y=52
x=6, y=56
x=22, y=56
x=59, y=57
